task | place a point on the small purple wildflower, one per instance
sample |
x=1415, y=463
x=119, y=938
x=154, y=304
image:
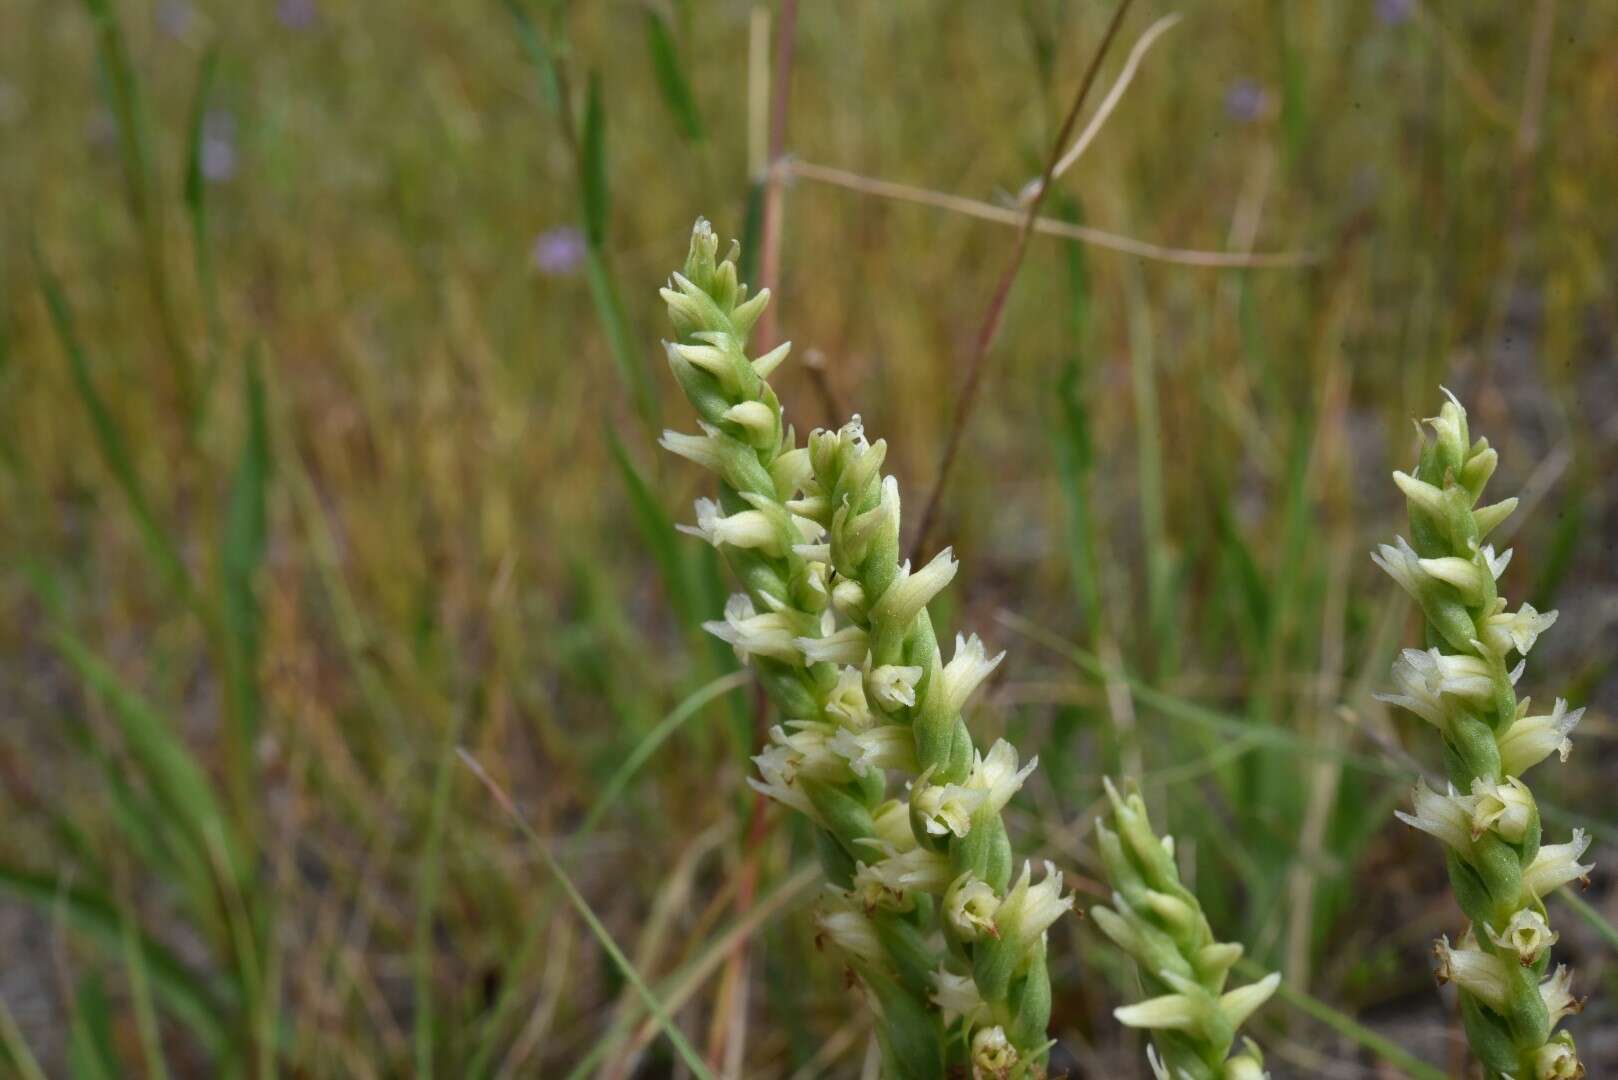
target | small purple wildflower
x=1394, y=12
x=175, y=18
x=218, y=148
x=297, y=14
x=1245, y=100
x=558, y=251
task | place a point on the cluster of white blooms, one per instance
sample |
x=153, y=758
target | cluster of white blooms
x=922, y=900
x=1486, y=817
x=1158, y=921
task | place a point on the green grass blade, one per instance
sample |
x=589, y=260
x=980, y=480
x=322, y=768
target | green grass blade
x=593, y=192
x=1348, y=1027
x=110, y=442
x=1583, y=909
x=183, y=993
x=140, y=993
x=429, y=877
x=658, y=534
x=687, y=1053
x=620, y=341
x=677, y=96
x=241, y=553
x=196, y=205
x=534, y=44
x=653, y=739
x=17, y=1052
x=90, y=1055
x=173, y=774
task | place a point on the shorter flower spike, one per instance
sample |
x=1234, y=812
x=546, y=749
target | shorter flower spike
x=1488, y=821
x=1156, y=920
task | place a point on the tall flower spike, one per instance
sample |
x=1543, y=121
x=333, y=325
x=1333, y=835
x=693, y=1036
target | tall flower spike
x=1489, y=821
x=921, y=902
x=1159, y=922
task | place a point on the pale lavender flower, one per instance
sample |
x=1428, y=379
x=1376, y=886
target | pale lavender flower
x=559, y=251
x=1394, y=12
x=218, y=148
x=175, y=18
x=298, y=14
x=1245, y=100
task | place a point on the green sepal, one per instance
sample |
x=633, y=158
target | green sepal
x=701, y=389
x=1448, y=616
x=1469, y=889
x=1030, y=1004
x=787, y=687
x=846, y=815
x=1527, y=1017
x=994, y=964
x=834, y=859
x=1489, y=1035
x=911, y=1032
x=1497, y=868
x=1471, y=750
x=905, y=943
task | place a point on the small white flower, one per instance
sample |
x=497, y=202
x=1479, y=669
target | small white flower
x=1527, y=935
x=812, y=750
x=910, y=592
x=846, y=646
x=892, y=826
x=851, y=931
x=1470, y=577
x=945, y=808
x=887, y=746
x=893, y=685
x=1557, y=994
x=966, y=671
x=1421, y=493
x=1557, y=1060
x=1505, y=631
x=755, y=418
x=957, y=995
x=1505, y=807
x=1556, y=865
x=993, y=1056
x=776, y=767
x=848, y=597
x=846, y=701
x=1448, y=817
x=771, y=360
x=707, y=449
x=1028, y=911
x=1244, y=1001
x=997, y=775
x=1402, y=564
x=773, y=634
x=1424, y=678
x=1531, y=739
x=743, y=529
x=1485, y=977
x=790, y=471
x=890, y=881
x=969, y=905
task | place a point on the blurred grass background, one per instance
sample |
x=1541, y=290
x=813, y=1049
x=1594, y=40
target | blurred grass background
x=328, y=385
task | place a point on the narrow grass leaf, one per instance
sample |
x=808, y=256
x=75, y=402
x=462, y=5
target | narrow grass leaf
x=242, y=551
x=687, y=1053
x=110, y=442
x=1349, y=1028
x=90, y=1055
x=167, y=764
x=17, y=1052
x=593, y=191
x=671, y=82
